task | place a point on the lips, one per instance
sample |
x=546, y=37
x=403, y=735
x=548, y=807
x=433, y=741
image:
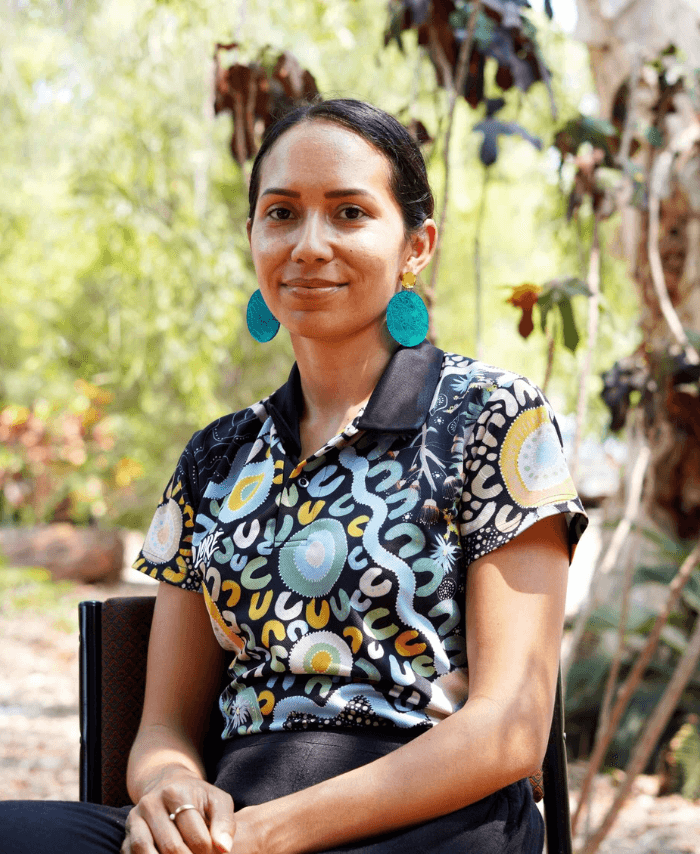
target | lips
x=312, y=283
x=312, y=288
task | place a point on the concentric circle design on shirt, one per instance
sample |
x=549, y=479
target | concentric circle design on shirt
x=533, y=467
x=163, y=537
x=298, y=571
x=311, y=561
x=322, y=653
x=250, y=490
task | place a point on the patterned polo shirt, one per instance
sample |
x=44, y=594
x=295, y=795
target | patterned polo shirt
x=337, y=583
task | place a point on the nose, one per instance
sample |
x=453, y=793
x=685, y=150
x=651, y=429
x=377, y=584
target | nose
x=313, y=241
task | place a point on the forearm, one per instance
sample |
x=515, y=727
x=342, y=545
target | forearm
x=159, y=751
x=468, y=756
x=179, y=695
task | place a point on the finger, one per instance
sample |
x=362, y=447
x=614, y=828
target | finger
x=222, y=824
x=138, y=838
x=186, y=834
x=194, y=831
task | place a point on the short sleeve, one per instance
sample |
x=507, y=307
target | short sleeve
x=515, y=472
x=167, y=550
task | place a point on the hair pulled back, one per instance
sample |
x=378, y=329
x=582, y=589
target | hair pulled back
x=409, y=179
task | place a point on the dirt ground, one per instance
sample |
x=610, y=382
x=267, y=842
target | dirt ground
x=39, y=734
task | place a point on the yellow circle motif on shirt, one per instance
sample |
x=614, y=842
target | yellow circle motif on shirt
x=321, y=653
x=249, y=491
x=244, y=491
x=163, y=537
x=321, y=661
x=532, y=461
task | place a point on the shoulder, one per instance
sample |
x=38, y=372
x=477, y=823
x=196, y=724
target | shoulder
x=231, y=428
x=220, y=440
x=478, y=387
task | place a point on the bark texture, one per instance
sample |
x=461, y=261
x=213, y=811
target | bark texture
x=639, y=87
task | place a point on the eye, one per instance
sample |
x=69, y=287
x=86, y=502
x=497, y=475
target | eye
x=279, y=214
x=352, y=212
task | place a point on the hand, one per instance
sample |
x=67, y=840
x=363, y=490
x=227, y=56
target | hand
x=248, y=838
x=208, y=829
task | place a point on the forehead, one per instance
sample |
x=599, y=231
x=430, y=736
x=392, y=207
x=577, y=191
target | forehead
x=315, y=152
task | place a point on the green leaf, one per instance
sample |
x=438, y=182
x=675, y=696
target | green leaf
x=594, y=127
x=654, y=137
x=675, y=638
x=691, y=592
x=693, y=337
x=667, y=546
x=556, y=291
x=687, y=756
x=660, y=574
x=571, y=336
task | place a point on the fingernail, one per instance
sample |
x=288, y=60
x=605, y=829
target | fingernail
x=224, y=843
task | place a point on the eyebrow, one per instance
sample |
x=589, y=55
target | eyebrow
x=332, y=194
x=337, y=194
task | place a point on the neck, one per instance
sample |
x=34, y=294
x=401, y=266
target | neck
x=338, y=378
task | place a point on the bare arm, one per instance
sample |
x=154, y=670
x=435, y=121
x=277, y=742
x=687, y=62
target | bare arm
x=165, y=768
x=515, y=612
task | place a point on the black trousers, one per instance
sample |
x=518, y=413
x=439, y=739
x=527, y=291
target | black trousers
x=259, y=768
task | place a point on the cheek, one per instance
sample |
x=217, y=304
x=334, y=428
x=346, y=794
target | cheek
x=374, y=252
x=264, y=250
x=383, y=247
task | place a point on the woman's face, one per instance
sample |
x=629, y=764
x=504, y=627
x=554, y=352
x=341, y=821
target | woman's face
x=327, y=238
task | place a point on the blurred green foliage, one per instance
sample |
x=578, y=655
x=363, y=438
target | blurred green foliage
x=123, y=255
x=585, y=683
x=686, y=751
x=33, y=589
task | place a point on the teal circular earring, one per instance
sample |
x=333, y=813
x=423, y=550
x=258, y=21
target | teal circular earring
x=406, y=315
x=262, y=324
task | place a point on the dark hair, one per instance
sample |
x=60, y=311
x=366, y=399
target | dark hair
x=409, y=179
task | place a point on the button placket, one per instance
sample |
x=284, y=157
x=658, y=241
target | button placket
x=294, y=477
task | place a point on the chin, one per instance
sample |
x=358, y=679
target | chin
x=337, y=333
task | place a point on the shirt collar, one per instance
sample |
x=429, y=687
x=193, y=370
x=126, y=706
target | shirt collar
x=399, y=402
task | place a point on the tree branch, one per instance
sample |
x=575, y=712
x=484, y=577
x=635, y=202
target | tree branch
x=454, y=85
x=630, y=117
x=478, y=318
x=593, y=281
x=624, y=694
x=636, y=487
x=608, y=562
x=661, y=166
x=551, y=347
x=650, y=735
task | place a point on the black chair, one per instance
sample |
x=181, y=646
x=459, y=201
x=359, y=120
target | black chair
x=113, y=647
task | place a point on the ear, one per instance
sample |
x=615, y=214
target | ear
x=423, y=243
x=249, y=227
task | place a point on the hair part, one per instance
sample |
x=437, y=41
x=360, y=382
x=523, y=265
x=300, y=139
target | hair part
x=408, y=176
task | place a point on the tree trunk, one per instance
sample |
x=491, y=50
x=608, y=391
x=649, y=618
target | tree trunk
x=645, y=91
x=623, y=35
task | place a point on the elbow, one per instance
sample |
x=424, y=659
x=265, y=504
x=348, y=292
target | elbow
x=528, y=744
x=514, y=736
x=528, y=768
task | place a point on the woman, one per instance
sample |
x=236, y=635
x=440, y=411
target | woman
x=386, y=516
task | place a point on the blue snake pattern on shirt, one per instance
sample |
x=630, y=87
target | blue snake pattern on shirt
x=337, y=584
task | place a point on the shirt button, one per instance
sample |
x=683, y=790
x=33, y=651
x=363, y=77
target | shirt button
x=303, y=482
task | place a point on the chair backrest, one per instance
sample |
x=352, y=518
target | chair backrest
x=113, y=649
x=557, y=818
